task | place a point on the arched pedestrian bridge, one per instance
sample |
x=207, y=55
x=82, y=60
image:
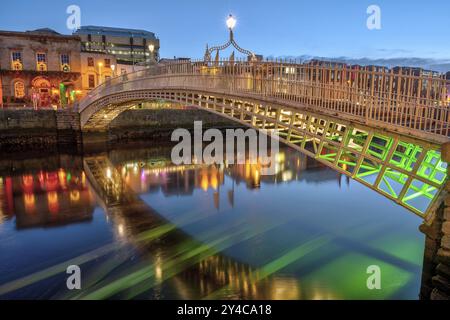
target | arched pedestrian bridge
x=384, y=128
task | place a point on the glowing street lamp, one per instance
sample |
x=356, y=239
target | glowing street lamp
x=151, y=48
x=231, y=22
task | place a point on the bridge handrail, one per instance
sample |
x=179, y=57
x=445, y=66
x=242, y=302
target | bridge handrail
x=397, y=97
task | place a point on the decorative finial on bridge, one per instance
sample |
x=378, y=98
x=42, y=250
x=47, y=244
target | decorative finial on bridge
x=207, y=56
x=231, y=24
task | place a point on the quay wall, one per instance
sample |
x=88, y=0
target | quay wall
x=147, y=123
x=26, y=130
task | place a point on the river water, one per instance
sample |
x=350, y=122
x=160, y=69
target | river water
x=141, y=228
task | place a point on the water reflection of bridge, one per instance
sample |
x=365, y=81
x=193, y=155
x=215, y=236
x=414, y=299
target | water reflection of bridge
x=169, y=254
x=157, y=254
x=195, y=268
x=148, y=173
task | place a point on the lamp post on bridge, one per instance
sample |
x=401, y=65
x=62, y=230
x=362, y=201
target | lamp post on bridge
x=231, y=24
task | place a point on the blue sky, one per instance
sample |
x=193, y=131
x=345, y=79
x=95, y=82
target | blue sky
x=273, y=28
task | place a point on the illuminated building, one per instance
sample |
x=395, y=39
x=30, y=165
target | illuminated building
x=96, y=68
x=39, y=68
x=128, y=46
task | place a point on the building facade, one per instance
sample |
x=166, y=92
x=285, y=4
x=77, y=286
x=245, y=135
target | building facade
x=129, y=46
x=40, y=68
x=96, y=68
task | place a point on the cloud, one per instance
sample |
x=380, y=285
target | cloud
x=394, y=51
x=440, y=65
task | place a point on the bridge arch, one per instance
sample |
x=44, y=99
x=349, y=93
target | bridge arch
x=341, y=128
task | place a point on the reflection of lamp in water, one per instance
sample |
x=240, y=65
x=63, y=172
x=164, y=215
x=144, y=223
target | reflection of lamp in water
x=280, y=157
x=204, y=183
x=52, y=199
x=214, y=181
x=29, y=200
x=28, y=183
x=158, y=269
x=120, y=229
x=108, y=173
x=256, y=178
x=287, y=176
x=62, y=178
x=74, y=195
x=143, y=181
x=285, y=289
x=247, y=170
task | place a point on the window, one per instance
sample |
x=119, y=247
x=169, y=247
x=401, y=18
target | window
x=19, y=89
x=107, y=63
x=16, y=60
x=290, y=70
x=91, y=81
x=90, y=61
x=41, y=57
x=65, y=58
x=65, y=62
x=17, y=56
x=41, y=61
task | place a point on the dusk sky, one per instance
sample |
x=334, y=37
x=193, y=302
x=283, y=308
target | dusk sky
x=273, y=28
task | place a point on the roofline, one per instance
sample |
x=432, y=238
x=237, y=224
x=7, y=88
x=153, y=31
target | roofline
x=139, y=32
x=39, y=35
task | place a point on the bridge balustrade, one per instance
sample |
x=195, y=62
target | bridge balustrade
x=397, y=97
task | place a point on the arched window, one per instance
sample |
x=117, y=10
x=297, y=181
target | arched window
x=19, y=89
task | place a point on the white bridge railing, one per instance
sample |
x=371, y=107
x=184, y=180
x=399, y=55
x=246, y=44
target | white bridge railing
x=405, y=97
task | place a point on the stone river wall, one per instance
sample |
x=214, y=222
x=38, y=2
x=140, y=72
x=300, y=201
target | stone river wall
x=25, y=130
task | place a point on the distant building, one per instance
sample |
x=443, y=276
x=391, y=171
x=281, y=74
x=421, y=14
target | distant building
x=416, y=71
x=166, y=61
x=327, y=64
x=129, y=46
x=40, y=68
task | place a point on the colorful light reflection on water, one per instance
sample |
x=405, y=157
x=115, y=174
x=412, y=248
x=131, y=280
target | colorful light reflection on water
x=142, y=228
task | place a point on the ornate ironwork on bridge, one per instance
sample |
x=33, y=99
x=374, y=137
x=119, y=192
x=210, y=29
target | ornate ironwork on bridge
x=231, y=23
